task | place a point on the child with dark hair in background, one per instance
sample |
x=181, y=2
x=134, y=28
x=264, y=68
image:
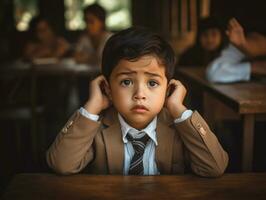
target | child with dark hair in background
x=210, y=41
x=135, y=122
x=90, y=45
x=246, y=53
x=44, y=41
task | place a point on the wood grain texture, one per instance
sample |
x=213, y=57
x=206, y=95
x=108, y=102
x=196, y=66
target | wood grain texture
x=49, y=186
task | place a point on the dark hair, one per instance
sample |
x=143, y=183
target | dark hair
x=96, y=10
x=208, y=23
x=133, y=43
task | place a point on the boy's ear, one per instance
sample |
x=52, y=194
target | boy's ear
x=170, y=89
x=107, y=90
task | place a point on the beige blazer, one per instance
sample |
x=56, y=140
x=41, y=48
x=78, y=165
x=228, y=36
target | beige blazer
x=97, y=147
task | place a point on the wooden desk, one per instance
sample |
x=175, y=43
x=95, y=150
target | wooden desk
x=77, y=187
x=246, y=98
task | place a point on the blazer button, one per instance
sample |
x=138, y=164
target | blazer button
x=202, y=131
x=69, y=124
x=64, y=130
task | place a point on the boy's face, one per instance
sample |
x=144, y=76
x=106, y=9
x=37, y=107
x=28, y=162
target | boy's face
x=138, y=89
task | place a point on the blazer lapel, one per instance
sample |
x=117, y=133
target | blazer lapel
x=114, y=145
x=164, y=149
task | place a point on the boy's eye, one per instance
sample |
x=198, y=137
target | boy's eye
x=126, y=82
x=152, y=83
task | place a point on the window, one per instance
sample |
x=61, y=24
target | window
x=118, y=13
x=24, y=11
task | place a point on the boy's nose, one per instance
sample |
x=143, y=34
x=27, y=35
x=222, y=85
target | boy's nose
x=139, y=94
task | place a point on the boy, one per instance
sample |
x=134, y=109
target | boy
x=125, y=129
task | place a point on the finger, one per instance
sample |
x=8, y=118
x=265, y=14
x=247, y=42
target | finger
x=100, y=80
x=105, y=81
x=236, y=23
x=230, y=24
x=174, y=82
x=237, y=26
x=174, y=86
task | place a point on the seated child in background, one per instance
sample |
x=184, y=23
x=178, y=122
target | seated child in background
x=45, y=43
x=240, y=59
x=210, y=40
x=134, y=122
x=91, y=43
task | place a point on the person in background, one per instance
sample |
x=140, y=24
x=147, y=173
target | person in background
x=45, y=43
x=210, y=40
x=52, y=90
x=243, y=56
x=90, y=44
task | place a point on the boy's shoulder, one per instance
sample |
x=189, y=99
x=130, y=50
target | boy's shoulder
x=109, y=116
x=165, y=117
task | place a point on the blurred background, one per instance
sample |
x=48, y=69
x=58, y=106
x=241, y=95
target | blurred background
x=35, y=102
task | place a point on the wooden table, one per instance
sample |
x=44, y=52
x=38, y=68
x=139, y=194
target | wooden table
x=77, y=187
x=247, y=99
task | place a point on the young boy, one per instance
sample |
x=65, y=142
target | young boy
x=134, y=122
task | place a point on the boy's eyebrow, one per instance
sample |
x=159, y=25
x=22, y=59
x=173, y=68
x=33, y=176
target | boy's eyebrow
x=153, y=74
x=134, y=72
x=126, y=73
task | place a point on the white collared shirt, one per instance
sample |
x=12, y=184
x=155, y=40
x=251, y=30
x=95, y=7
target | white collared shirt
x=228, y=67
x=149, y=162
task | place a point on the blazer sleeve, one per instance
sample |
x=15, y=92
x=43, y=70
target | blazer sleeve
x=72, y=149
x=206, y=156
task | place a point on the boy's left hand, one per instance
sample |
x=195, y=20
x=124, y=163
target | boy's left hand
x=175, y=97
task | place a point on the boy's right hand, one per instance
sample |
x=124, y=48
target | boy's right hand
x=98, y=99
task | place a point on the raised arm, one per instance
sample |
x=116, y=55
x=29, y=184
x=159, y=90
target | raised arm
x=72, y=149
x=254, y=44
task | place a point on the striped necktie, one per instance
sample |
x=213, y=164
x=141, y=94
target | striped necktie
x=136, y=164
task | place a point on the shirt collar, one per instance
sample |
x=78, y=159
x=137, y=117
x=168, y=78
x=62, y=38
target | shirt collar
x=149, y=130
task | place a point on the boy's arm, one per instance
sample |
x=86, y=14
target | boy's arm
x=206, y=156
x=72, y=149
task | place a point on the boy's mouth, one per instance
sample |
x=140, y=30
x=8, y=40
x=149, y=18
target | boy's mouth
x=139, y=109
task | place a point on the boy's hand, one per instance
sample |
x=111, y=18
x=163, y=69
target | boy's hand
x=235, y=33
x=98, y=99
x=175, y=97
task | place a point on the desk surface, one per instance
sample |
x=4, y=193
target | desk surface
x=62, y=68
x=244, y=97
x=49, y=186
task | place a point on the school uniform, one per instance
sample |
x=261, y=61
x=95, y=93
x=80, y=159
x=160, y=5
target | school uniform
x=99, y=147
